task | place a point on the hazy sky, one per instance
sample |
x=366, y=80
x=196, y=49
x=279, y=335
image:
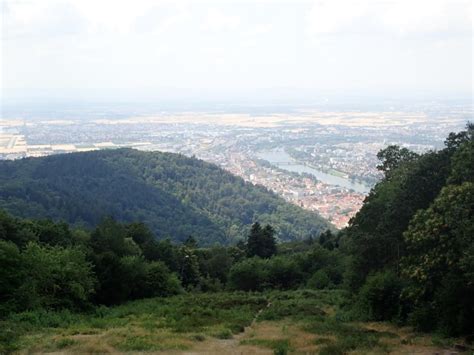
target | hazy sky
x=229, y=47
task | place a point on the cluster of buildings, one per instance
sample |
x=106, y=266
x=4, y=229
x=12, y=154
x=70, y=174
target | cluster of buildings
x=341, y=144
x=334, y=203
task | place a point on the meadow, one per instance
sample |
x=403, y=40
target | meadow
x=279, y=322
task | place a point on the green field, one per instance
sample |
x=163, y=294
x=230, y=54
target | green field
x=277, y=322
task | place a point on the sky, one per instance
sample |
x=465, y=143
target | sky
x=227, y=49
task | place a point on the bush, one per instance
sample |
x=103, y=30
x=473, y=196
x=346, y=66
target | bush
x=320, y=280
x=249, y=275
x=283, y=273
x=449, y=312
x=454, y=305
x=159, y=281
x=208, y=284
x=379, y=297
x=423, y=319
x=54, y=277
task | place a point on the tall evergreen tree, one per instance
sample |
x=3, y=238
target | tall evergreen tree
x=189, y=267
x=253, y=240
x=268, y=242
x=261, y=241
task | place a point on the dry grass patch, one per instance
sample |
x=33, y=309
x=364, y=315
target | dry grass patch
x=280, y=336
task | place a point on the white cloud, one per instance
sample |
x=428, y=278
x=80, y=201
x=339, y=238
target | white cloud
x=332, y=16
x=112, y=15
x=217, y=20
x=26, y=17
x=428, y=16
x=39, y=18
x=394, y=16
x=240, y=44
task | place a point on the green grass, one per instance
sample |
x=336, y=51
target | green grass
x=65, y=343
x=280, y=346
x=224, y=334
x=198, y=337
x=301, y=304
x=349, y=337
x=181, y=322
x=220, y=314
x=148, y=342
x=321, y=341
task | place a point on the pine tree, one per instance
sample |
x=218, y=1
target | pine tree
x=253, y=240
x=268, y=242
x=189, y=267
x=261, y=241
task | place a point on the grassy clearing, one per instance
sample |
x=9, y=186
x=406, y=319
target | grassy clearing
x=313, y=322
x=281, y=346
x=292, y=321
x=315, y=316
x=348, y=337
x=146, y=325
x=302, y=304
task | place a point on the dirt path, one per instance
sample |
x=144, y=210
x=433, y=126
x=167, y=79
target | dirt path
x=233, y=345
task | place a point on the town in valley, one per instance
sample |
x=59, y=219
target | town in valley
x=321, y=158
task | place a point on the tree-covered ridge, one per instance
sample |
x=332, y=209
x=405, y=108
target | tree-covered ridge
x=176, y=196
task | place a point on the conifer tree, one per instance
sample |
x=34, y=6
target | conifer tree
x=253, y=240
x=261, y=241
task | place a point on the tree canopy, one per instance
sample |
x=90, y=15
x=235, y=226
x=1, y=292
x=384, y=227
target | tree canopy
x=175, y=196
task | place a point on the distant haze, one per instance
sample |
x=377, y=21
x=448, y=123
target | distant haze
x=243, y=50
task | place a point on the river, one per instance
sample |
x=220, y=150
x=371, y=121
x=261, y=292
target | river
x=284, y=161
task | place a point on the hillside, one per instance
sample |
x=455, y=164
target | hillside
x=174, y=195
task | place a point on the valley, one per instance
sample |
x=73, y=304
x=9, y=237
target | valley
x=335, y=145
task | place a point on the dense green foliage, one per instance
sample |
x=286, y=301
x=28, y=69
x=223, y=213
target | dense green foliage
x=440, y=259
x=174, y=195
x=106, y=266
x=115, y=262
x=261, y=241
x=42, y=276
x=411, y=245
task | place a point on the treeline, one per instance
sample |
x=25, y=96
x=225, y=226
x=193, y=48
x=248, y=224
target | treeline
x=173, y=195
x=52, y=266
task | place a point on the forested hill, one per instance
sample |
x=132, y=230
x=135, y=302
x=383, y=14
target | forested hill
x=176, y=196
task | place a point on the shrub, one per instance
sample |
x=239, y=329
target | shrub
x=423, y=318
x=283, y=273
x=249, y=275
x=379, y=297
x=159, y=281
x=208, y=284
x=224, y=334
x=55, y=277
x=319, y=280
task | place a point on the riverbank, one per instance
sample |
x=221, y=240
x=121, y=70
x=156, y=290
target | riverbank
x=281, y=159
